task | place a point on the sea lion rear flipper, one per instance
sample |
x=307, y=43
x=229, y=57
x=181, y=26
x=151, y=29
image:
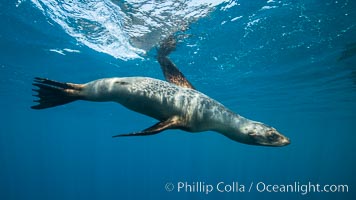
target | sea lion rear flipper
x=170, y=71
x=171, y=123
x=52, y=93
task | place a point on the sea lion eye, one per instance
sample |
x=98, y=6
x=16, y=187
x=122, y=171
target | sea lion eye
x=273, y=137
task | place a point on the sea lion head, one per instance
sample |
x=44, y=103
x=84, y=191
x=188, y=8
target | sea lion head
x=257, y=133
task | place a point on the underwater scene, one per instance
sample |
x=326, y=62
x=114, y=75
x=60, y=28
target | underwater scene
x=287, y=66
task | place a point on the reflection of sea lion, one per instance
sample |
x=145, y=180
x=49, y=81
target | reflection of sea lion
x=176, y=106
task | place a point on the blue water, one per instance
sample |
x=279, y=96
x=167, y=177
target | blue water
x=292, y=67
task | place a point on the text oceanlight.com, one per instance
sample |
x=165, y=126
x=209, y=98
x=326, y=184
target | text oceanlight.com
x=236, y=187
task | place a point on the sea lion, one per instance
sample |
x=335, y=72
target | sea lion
x=175, y=104
x=175, y=107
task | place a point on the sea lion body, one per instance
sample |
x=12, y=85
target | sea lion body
x=174, y=106
x=161, y=100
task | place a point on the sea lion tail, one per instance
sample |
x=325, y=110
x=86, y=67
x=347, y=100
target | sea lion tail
x=53, y=93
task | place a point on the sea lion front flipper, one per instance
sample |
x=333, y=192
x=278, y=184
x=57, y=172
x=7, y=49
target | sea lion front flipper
x=171, y=123
x=170, y=71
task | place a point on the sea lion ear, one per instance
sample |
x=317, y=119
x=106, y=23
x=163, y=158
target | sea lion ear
x=170, y=71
